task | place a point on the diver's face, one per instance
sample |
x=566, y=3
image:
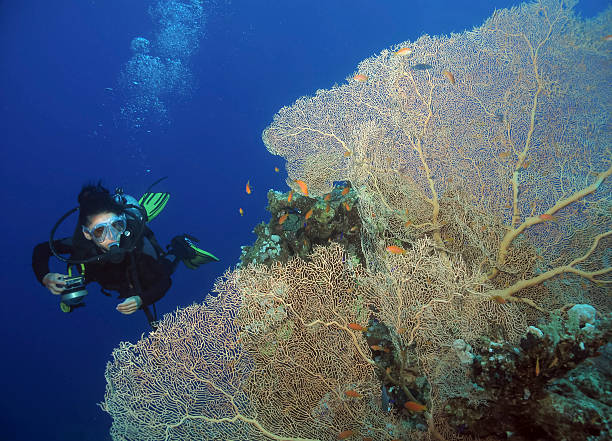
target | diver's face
x=96, y=225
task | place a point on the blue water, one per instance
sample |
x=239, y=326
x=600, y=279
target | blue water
x=59, y=128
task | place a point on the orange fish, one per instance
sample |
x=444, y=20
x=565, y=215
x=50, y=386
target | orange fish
x=353, y=229
x=548, y=217
x=345, y=191
x=537, y=367
x=360, y=78
x=276, y=169
x=282, y=219
x=346, y=434
x=357, y=327
x=327, y=208
x=526, y=164
x=394, y=249
x=413, y=406
x=308, y=214
x=408, y=223
x=353, y=394
x=347, y=206
x=499, y=299
x=449, y=75
x=241, y=211
x=327, y=197
x=248, y=187
x=347, y=154
x=403, y=52
x=303, y=187
x=607, y=38
x=377, y=348
x=290, y=196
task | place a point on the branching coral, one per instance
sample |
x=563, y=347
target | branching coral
x=278, y=354
x=483, y=161
x=519, y=140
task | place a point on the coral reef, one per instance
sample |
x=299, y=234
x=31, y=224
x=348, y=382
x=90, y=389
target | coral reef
x=329, y=220
x=455, y=286
x=545, y=388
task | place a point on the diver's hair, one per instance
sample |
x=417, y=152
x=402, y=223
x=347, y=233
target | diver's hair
x=95, y=199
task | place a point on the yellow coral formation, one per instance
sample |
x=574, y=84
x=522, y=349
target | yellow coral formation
x=520, y=138
x=498, y=187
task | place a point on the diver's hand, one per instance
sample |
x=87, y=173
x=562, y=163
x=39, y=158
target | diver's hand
x=130, y=305
x=54, y=282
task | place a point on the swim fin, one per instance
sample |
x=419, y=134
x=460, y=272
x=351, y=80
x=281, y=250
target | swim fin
x=154, y=203
x=185, y=249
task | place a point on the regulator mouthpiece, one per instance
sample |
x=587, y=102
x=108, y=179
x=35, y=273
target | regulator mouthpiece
x=115, y=254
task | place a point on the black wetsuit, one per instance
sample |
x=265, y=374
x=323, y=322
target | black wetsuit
x=151, y=267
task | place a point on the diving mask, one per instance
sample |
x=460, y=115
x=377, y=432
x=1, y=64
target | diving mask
x=113, y=228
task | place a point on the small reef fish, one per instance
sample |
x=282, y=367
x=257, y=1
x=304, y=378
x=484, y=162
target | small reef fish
x=357, y=327
x=379, y=348
x=347, y=206
x=360, y=78
x=327, y=208
x=282, y=219
x=303, y=187
x=607, y=38
x=499, y=299
x=248, y=187
x=327, y=197
x=413, y=406
x=394, y=249
x=276, y=169
x=449, y=75
x=347, y=154
x=345, y=191
x=346, y=434
x=537, y=366
x=241, y=211
x=548, y=217
x=403, y=52
x=422, y=66
x=353, y=394
x=308, y=214
x=353, y=229
x=290, y=196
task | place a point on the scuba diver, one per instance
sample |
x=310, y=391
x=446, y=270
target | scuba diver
x=113, y=245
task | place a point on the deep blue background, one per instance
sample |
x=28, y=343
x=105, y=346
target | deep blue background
x=56, y=132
